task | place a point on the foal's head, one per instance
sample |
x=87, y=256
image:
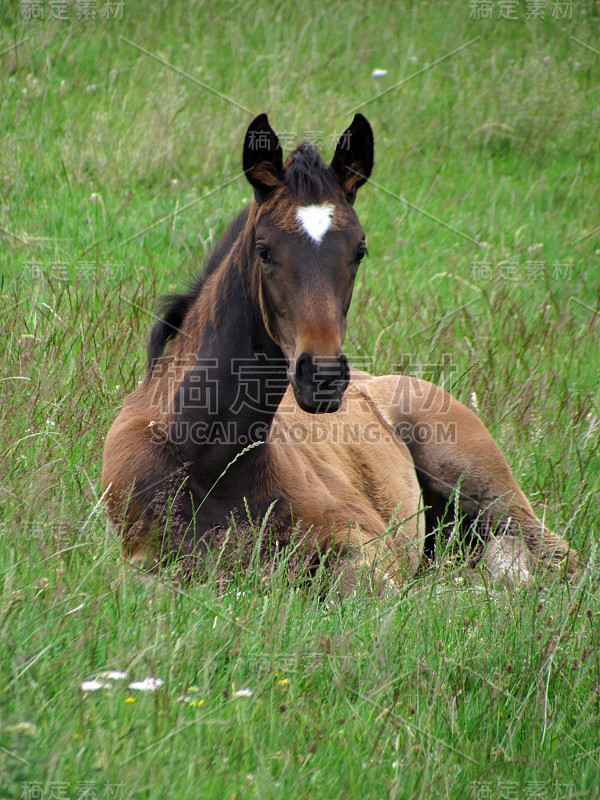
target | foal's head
x=306, y=249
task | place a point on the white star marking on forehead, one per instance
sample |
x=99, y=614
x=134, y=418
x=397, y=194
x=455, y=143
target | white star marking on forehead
x=315, y=220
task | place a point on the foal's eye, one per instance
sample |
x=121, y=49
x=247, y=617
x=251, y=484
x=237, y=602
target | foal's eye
x=263, y=253
x=361, y=252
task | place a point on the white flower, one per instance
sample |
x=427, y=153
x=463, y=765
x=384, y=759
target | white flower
x=114, y=675
x=94, y=685
x=244, y=693
x=147, y=685
x=533, y=248
x=473, y=402
x=379, y=73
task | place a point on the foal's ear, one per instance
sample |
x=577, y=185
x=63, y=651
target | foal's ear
x=263, y=157
x=352, y=161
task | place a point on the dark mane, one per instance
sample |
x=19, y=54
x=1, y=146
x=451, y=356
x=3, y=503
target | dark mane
x=173, y=308
x=308, y=176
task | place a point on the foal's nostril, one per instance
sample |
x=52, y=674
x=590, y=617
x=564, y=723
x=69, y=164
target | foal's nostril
x=344, y=370
x=305, y=370
x=333, y=374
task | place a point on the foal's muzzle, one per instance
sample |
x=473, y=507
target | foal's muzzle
x=319, y=382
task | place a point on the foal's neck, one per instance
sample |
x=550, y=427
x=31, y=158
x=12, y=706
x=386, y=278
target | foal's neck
x=227, y=400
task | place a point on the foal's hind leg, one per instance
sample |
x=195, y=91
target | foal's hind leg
x=508, y=560
x=451, y=446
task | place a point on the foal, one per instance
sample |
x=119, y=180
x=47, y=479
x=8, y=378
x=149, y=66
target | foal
x=249, y=399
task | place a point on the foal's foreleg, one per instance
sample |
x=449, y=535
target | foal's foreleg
x=451, y=447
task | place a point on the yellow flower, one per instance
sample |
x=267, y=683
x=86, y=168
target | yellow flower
x=130, y=700
x=283, y=682
x=197, y=704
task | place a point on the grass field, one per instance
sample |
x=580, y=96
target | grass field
x=117, y=175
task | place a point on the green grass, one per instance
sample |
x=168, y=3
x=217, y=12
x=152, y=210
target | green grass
x=451, y=689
